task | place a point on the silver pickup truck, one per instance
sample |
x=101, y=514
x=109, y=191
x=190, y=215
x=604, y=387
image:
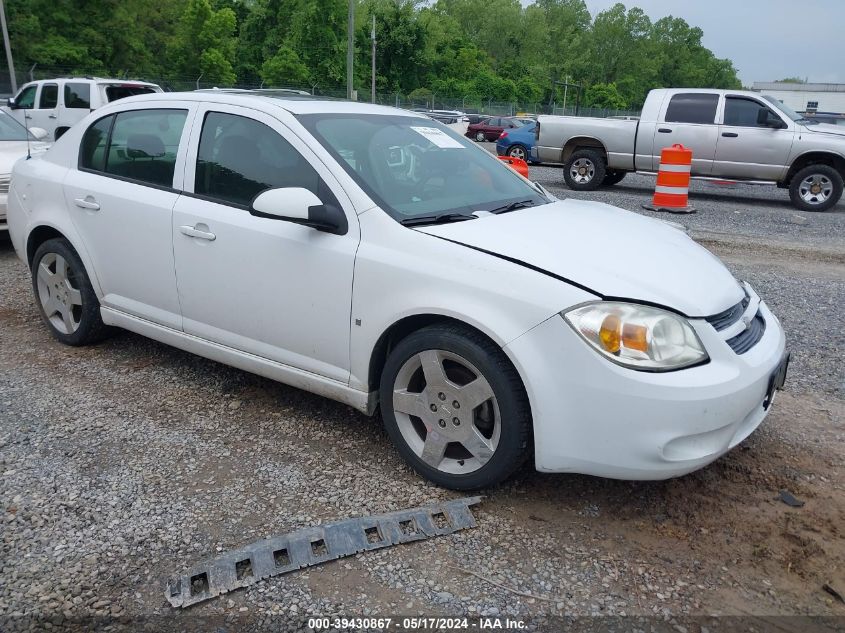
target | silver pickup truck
x=733, y=135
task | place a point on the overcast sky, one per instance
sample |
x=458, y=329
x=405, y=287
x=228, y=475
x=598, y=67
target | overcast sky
x=766, y=39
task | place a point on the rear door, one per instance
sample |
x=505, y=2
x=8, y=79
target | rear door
x=75, y=104
x=748, y=150
x=689, y=118
x=121, y=200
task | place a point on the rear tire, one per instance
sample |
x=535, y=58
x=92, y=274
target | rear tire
x=585, y=170
x=518, y=151
x=480, y=137
x=65, y=298
x=815, y=188
x=613, y=177
x=455, y=407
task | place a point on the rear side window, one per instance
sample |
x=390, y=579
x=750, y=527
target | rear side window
x=113, y=93
x=692, y=107
x=77, y=95
x=742, y=112
x=139, y=145
x=49, y=96
x=92, y=152
x=239, y=158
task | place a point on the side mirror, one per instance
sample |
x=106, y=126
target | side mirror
x=767, y=118
x=39, y=133
x=11, y=103
x=300, y=206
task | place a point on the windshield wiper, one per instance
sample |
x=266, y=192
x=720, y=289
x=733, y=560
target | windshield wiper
x=513, y=206
x=440, y=218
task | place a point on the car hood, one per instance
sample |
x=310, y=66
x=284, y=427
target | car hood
x=826, y=128
x=12, y=151
x=612, y=252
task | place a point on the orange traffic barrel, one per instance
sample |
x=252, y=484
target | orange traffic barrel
x=517, y=164
x=671, y=193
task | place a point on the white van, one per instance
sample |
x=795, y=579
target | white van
x=56, y=104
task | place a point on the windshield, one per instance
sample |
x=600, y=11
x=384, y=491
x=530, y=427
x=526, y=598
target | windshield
x=784, y=108
x=414, y=167
x=11, y=130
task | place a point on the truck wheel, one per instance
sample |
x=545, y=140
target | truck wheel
x=613, y=177
x=584, y=171
x=815, y=188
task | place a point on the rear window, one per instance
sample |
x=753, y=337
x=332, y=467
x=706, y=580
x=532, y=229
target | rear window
x=78, y=95
x=692, y=107
x=113, y=93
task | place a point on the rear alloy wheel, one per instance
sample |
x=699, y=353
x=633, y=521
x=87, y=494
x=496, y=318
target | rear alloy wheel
x=816, y=188
x=479, y=136
x=518, y=151
x=455, y=407
x=584, y=171
x=64, y=294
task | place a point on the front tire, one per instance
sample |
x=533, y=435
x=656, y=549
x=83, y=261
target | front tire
x=815, y=188
x=64, y=295
x=455, y=407
x=585, y=170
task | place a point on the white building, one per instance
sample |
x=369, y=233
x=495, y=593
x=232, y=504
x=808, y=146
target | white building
x=805, y=97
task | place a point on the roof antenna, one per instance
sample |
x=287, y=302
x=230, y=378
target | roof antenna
x=26, y=127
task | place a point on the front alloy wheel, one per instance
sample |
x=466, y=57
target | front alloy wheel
x=816, y=188
x=455, y=407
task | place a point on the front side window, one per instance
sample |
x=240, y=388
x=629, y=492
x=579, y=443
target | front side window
x=414, y=167
x=692, y=107
x=49, y=96
x=26, y=98
x=139, y=145
x=77, y=95
x=742, y=112
x=240, y=157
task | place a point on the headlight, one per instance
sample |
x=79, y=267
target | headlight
x=638, y=336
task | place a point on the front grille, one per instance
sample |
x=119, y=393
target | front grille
x=4, y=184
x=748, y=338
x=724, y=320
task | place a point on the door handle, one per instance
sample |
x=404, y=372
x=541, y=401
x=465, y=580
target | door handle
x=730, y=134
x=87, y=203
x=27, y=116
x=664, y=130
x=52, y=116
x=193, y=231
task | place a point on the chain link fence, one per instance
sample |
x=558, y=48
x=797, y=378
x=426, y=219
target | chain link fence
x=468, y=104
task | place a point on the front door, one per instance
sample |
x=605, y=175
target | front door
x=689, y=119
x=25, y=104
x=121, y=201
x=264, y=286
x=747, y=149
x=44, y=113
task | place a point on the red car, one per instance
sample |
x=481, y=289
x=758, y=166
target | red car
x=490, y=129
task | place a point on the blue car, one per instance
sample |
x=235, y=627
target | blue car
x=517, y=142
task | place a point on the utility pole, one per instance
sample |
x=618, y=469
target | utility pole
x=8, y=48
x=373, y=37
x=565, y=88
x=350, y=48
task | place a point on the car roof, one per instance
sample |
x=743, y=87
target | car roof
x=295, y=104
x=98, y=80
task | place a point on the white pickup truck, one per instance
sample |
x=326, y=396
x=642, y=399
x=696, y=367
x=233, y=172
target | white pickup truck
x=733, y=135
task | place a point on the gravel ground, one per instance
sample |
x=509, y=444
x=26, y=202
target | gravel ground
x=125, y=463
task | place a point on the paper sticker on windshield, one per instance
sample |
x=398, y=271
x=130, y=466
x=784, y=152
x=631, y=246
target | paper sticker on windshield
x=438, y=137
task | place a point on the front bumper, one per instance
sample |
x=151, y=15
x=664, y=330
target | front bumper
x=594, y=417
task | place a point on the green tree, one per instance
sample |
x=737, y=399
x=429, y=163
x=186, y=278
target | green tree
x=284, y=68
x=604, y=96
x=204, y=43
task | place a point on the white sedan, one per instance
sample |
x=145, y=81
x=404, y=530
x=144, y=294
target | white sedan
x=373, y=256
x=15, y=145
